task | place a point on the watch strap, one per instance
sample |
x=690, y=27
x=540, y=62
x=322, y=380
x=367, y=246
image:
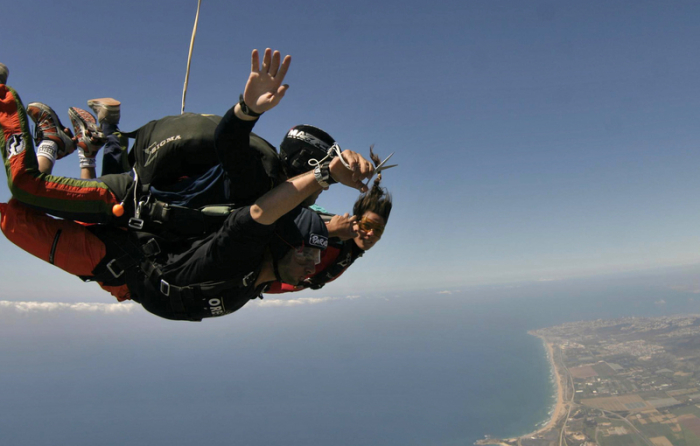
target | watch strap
x=245, y=109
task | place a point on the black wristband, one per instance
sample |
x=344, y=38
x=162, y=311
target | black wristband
x=244, y=108
x=325, y=167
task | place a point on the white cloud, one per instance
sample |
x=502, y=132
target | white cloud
x=445, y=292
x=81, y=307
x=294, y=302
x=685, y=289
x=267, y=302
x=660, y=302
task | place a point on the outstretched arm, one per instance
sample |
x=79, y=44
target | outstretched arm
x=288, y=195
x=263, y=91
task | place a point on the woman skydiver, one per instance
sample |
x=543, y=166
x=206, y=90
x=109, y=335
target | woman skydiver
x=373, y=209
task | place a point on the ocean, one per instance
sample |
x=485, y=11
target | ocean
x=420, y=368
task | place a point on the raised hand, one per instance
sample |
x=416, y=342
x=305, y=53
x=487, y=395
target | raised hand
x=264, y=88
x=342, y=226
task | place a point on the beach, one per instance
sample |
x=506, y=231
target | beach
x=558, y=411
x=560, y=406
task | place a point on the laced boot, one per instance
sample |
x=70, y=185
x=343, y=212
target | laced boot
x=47, y=126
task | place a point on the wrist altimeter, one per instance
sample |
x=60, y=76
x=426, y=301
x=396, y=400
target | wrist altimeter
x=322, y=172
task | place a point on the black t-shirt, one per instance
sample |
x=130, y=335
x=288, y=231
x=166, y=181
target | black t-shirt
x=236, y=248
x=247, y=166
x=233, y=253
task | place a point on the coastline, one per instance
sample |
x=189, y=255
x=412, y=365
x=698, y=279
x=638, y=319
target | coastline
x=558, y=409
x=559, y=406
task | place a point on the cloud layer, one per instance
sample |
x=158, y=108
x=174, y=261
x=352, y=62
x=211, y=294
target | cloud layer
x=294, y=302
x=82, y=307
x=267, y=302
x=130, y=307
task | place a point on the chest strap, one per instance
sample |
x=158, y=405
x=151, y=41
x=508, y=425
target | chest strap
x=168, y=219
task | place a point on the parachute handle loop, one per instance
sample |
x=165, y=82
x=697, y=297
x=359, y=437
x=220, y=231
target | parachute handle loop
x=136, y=222
x=333, y=152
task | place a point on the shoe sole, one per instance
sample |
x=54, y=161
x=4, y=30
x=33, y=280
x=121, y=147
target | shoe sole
x=66, y=140
x=109, y=108
x=83, y=122
x=103, y=102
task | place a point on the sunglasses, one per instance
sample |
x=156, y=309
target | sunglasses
x=370, y=225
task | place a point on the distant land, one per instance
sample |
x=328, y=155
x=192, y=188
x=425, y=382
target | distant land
x=624, y=382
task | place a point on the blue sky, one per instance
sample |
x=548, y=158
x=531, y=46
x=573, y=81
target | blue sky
x=540, y=144
x=536, y=140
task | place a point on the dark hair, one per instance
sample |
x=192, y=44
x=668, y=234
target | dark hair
x=377, y=199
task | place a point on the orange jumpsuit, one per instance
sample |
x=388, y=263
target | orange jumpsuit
x=66, y=244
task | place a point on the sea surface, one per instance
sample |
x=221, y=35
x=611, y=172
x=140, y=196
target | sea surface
x=436, y=367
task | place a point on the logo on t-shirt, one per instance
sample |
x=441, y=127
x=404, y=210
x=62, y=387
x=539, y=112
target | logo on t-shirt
x=152, y=150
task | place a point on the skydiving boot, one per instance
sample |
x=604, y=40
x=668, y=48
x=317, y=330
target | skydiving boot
x=106, y=109
x=115, y=155
x=47, y=127
x=90, y=138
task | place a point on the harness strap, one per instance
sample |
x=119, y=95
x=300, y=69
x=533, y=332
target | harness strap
x=346, y=257
x=122, y=255
x=181, y=220
x=184, y=300
x=173, y=294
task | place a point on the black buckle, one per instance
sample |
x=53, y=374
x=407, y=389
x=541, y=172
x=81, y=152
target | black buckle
x=247, y=277
x=160, y=212
x=151, y=248
x=164, y=287
x=136, y=223
x=114, y=273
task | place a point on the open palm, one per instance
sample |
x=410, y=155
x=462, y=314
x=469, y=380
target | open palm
x=264, y=88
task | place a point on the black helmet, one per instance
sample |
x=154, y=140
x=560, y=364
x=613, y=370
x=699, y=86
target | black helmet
x=302, y=143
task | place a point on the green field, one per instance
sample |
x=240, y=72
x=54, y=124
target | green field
x=686, y=410
x=620, y=440
x=689, y=439
x=631, y=439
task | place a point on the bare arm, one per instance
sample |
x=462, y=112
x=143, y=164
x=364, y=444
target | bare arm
x=288, y=195
x=263, y=92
